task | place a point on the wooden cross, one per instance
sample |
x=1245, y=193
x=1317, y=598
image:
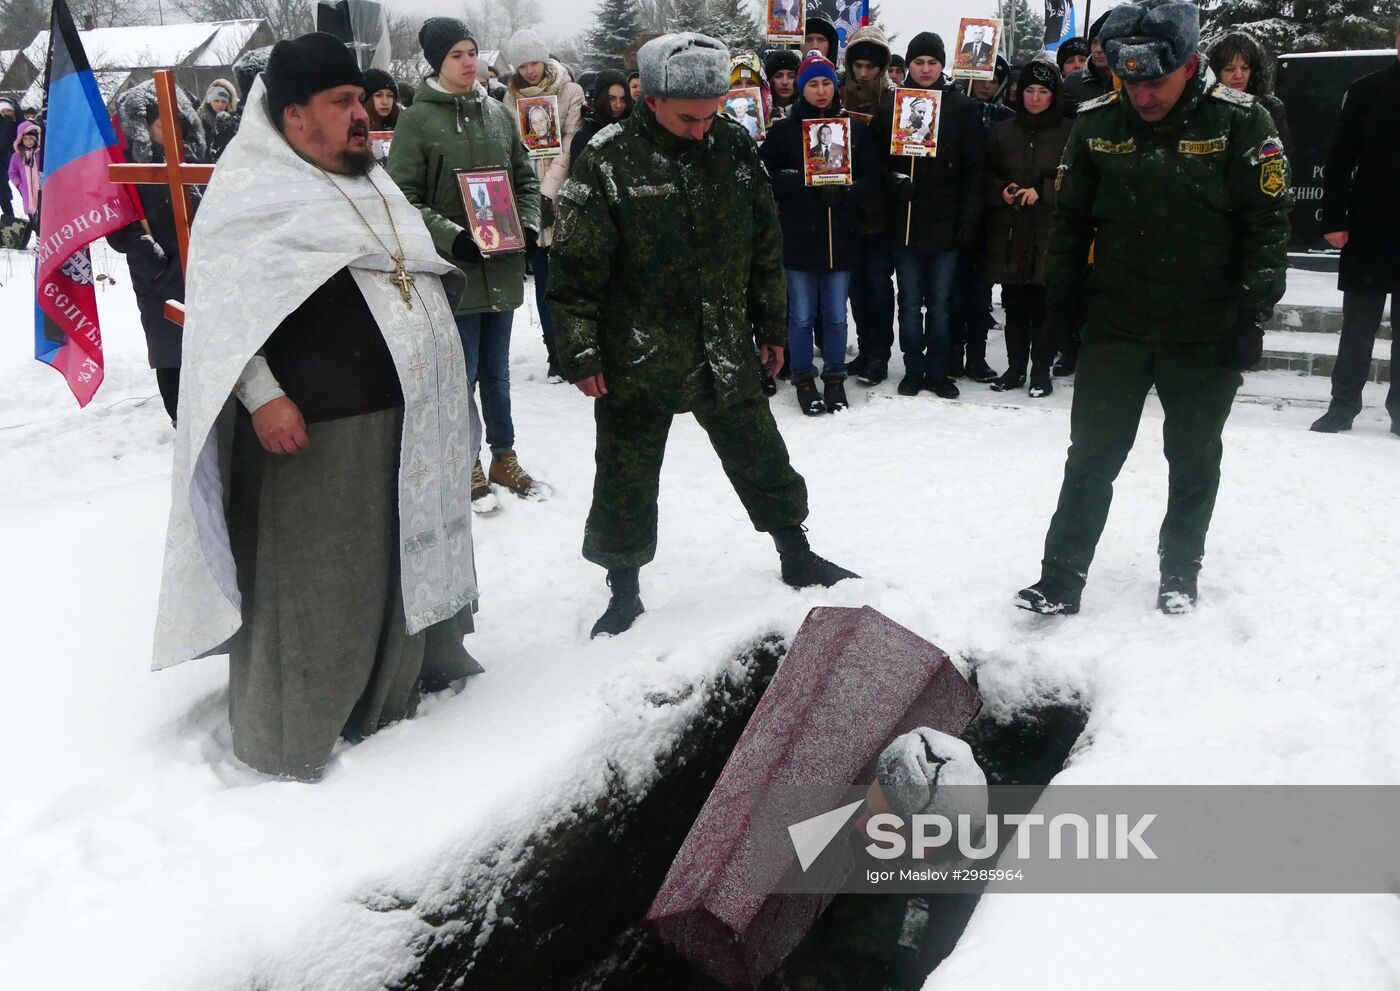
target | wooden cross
x=175, y=172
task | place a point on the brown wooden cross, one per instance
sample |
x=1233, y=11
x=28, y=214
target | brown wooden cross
x=175, y=172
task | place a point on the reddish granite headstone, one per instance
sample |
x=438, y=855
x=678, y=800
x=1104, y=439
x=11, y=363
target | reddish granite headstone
x=851, y=682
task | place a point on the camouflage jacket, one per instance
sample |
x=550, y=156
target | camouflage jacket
x=666, y=266
x=1188, y=216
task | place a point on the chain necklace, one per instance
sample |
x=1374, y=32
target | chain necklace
x=401, y=277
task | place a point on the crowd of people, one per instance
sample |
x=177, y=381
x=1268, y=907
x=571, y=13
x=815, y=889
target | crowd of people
x=1132, y=207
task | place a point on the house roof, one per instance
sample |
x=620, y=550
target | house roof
x=152, y=46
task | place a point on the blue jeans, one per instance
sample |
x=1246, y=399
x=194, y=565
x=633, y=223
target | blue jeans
x=539, y=263
x=486, y=344
x=804, y=288
x=925, y=283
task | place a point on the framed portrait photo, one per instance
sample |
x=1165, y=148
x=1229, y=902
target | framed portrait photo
x=538, y=119
x=975, y=56
x=492, y=217
x=379, y=142
x=915, y=131
x=826, y=159
x=745, y=105
x=787, y=20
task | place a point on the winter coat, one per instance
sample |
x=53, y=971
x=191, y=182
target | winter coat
x=441, y=134
x=154, y=259
x=813, y=240
x=1025, y=150
x=1188, y=217
x=1261, y=77
x=1084, y=85
x=220, y=128
x=1358, y=193
x=23, y=170
x=596, y=117
x=667, y=266
x=552, y=172
x=948, y=189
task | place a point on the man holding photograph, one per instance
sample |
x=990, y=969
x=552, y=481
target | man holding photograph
x=650, y=328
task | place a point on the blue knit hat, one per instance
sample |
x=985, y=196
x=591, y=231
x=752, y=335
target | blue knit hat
x=815, y=66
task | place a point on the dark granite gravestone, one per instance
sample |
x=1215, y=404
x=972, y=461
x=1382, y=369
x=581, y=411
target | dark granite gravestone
x=852, y=681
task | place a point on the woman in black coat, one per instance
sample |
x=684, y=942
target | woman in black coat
x=612, y=103
x=152, y=249
x=1023, y=155
x=821, y=228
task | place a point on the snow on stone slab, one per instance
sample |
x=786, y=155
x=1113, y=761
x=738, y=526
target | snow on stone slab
x=136, y=854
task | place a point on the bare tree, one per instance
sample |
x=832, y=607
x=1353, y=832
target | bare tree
x=494, y=21
x=286, y=18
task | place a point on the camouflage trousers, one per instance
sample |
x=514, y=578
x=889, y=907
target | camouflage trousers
x=1110, y=387
x=621, y=527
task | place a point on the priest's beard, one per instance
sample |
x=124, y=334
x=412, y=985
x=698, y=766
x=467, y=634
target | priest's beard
x=347, y=161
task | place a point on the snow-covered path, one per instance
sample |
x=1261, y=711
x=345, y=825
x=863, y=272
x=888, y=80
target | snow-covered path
x=134, y=853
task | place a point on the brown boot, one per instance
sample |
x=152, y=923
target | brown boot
x=480, y=488
x=506, y=470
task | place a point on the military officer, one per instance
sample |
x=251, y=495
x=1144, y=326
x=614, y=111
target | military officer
x=1182, y=189
x=666, y=278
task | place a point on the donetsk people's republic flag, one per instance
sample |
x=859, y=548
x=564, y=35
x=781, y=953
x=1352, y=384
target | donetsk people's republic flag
x=78, y=204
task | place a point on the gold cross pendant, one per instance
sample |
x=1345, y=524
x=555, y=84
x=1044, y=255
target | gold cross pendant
x=403, y=279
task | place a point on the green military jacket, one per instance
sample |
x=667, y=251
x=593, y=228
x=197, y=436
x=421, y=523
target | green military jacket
x=666, y=266
x=441, y=134
x=1188, y=217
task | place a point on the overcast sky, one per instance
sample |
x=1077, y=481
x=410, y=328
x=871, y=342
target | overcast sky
x=906, y=18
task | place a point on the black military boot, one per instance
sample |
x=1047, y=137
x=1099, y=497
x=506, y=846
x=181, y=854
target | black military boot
x=809, y=400
x=801, y=567
x=910, y=384
x=1040, y=382
x=1176, y=596
x=1334, y=421
x=834, y=392
x=1049, y=598
x=625, y=605
x=857, y=364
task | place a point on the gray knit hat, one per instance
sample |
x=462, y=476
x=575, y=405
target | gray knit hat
x=526, y=46
x=1150, y=40
x=686, y=66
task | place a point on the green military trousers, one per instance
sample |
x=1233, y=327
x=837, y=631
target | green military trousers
x=621, y=527
x=1110, y=387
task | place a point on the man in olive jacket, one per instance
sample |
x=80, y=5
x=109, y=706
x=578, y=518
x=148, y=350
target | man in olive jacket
x=453, y=126
x=668, y=272
x=1182, y=189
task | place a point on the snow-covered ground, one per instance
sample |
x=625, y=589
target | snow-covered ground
x=135, y=853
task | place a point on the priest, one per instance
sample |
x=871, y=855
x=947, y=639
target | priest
x=320, y=521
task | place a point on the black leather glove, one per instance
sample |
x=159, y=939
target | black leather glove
x=547, y=213
x=903, y=187
x=466, y=249
x=1242, y=346
x=532, y=241
x=834, y=196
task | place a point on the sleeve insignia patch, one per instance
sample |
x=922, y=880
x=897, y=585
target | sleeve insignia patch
x=1112, y=148
x=1273, y=177
x=1212, y=147
x=1222, y=92
x=1271, y=148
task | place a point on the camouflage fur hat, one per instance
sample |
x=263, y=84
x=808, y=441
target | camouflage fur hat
x=686, y=66
x=1150, y=40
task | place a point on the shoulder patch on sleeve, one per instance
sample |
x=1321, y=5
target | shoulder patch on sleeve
x=1107, y=100
x=1222, y=92
x=576, y=190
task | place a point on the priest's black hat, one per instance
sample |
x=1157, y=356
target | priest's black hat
x=304, y=66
